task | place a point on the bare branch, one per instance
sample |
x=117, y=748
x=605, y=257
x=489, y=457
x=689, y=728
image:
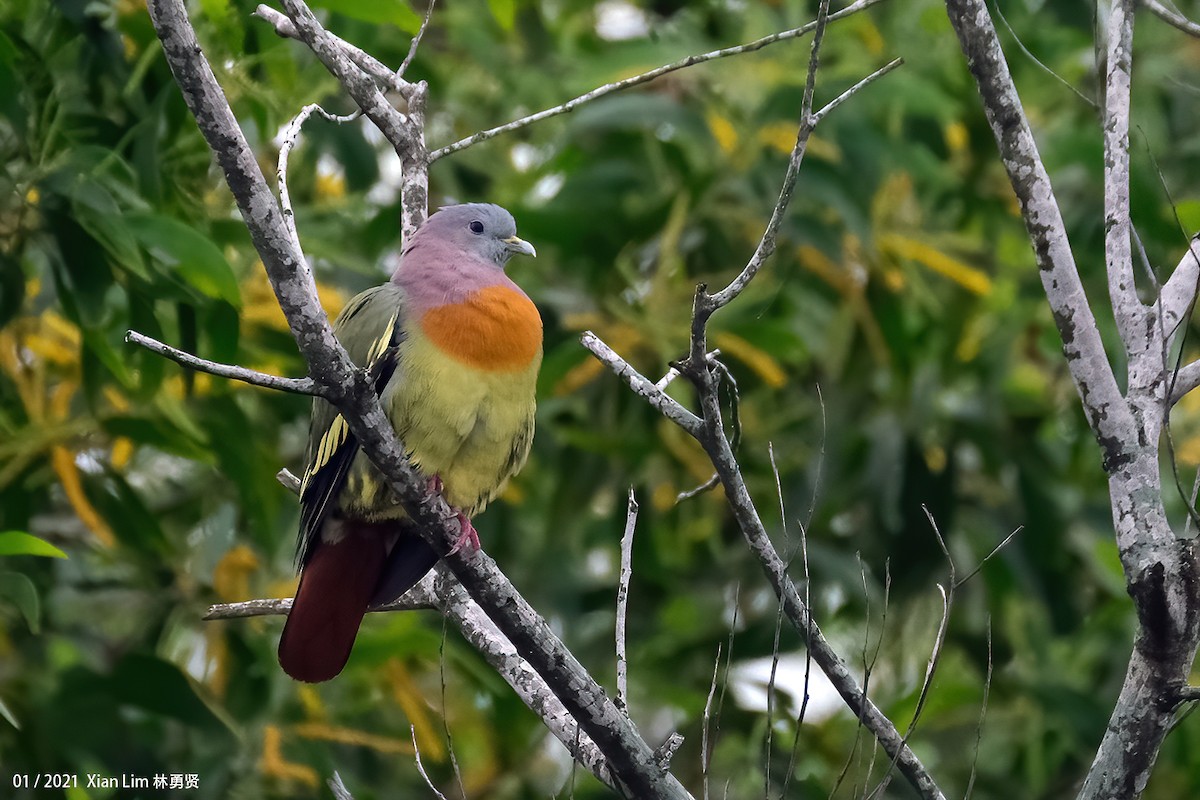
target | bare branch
x=987, y=690
x=1178, y=294
x=709, y=431
x=340, y=792
x=288, y=480
x=705, y=748
x=855, y=89
x=1127, y=308
x=988, y=557
x=617, y=86
x=696, y=491
x=361, y=86
x=766, y=245
x=294, y=385
x=1172, y=17
x=1109, y=417
x=674, y=373
x=405, y=133
x=641, y=385
x=799, y=614
x=291, y=136
x=626, y=574
x=365, y=61
x=416, y=42
x=421, y=767
x=666, y=751
x=630, y=759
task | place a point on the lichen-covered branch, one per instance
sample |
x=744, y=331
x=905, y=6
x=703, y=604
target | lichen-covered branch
x=293, y=385
x=1162, y=571
x=630, y=760
x=1107, y=414
x=708, y=428
x=441, y=591
x=1118, y=244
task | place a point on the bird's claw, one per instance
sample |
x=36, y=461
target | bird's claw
x=467, y=535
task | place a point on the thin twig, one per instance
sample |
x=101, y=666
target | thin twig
x=674, y=373
x=446, y=716
x=421, y=767
x=412, y=46
x=626, y=574
x=1187, y=521
x=988, y=557
x=291, y=136
x=778, y=628
x=1172, y=17
x=641, y=385
x=415, y=599
x=855, y=89
x=696, y=491
x=340, y=792
x=306, y=386
x=766, y=244
x=365, y=61
x=1029, y=54
x=987, y=690
x=617, y=86
x=938, y=643
x=705, y=752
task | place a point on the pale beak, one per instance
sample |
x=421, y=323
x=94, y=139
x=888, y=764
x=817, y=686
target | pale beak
x=520, y=246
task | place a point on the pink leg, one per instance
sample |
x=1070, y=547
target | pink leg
x=467, y=533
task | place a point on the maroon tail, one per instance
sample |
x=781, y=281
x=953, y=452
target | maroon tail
x=335, y=587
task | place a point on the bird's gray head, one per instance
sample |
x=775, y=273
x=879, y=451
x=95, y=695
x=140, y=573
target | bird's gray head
x=481, y=228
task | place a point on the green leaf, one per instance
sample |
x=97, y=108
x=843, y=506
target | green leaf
x=378, y=12
x=8, y=715
x=198, y=262
x=505, y=12
x=98, y=213
x=21, y=592
x=19, y=543
x=162, y=688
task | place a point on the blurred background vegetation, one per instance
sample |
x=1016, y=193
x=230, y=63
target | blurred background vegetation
x=897, y=353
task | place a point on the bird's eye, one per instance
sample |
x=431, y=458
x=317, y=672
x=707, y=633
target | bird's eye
x=476, y=227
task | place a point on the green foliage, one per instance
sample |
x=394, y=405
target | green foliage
x=896, y=354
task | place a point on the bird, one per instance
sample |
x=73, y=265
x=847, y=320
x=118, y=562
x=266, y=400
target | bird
x=454, y=347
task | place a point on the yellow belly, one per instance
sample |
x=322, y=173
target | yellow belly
x=470, y=426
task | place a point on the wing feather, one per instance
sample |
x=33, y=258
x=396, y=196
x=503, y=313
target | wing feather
x=332, y=447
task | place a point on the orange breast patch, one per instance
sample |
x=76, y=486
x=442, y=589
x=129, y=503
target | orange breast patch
x=496, y=329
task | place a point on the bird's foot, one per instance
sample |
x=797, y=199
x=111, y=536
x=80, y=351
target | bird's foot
x=467, y=535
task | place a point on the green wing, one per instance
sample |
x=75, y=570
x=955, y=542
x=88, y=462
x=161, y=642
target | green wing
x=369, y=327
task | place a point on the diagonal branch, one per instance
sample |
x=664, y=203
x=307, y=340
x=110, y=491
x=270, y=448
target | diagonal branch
x=631, y=761
x=416, y=42
x=1179, y=292
x=1107, y=414
x=710, y=433
x=1172, y=17
x=404, y=132
x=645, y=77
x=366, y=62
x=442, y=592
